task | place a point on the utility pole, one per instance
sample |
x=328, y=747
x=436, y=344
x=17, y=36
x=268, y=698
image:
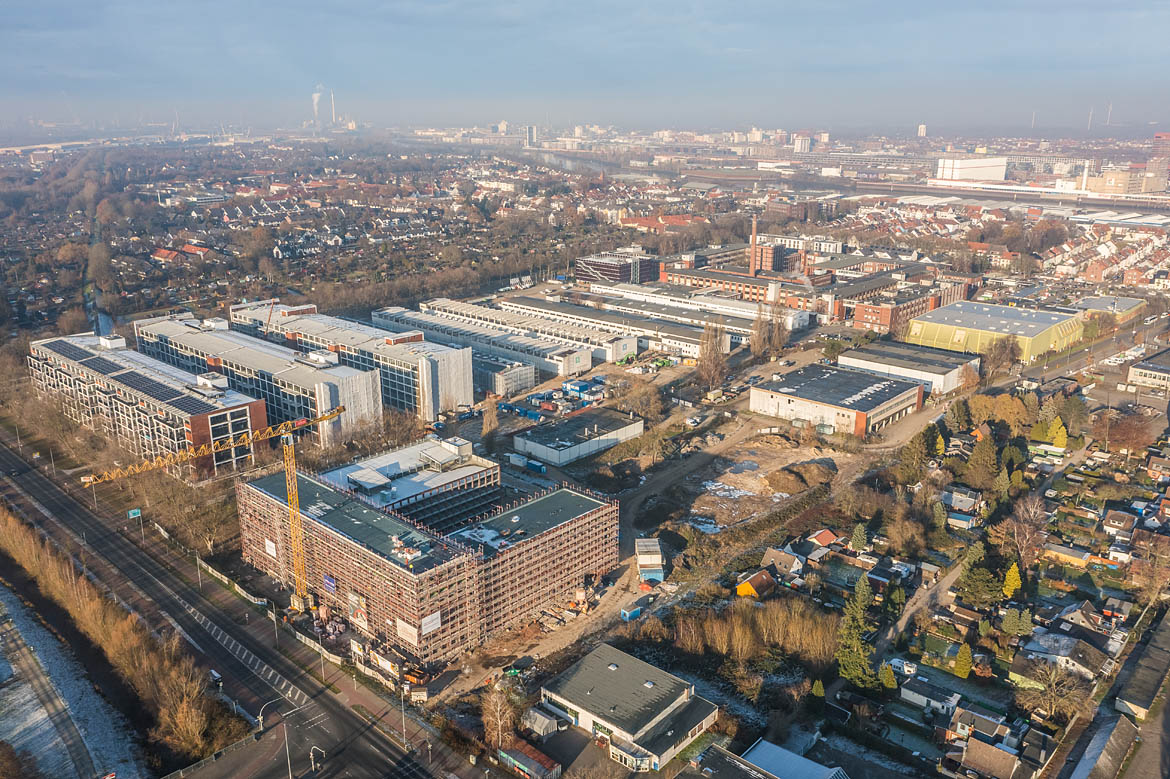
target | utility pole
x=275, y=630
x=198, y=573
x=402, y=698
x=287, y=755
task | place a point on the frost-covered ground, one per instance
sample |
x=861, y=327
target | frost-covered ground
x=26, y=726
x=721, y=490
x=107, y=735
x=736, y=705
x=706, y=525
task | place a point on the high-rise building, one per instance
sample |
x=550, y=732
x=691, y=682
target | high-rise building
x=1161, y=145
x=823, y=137
x=502, y=127
x=530, y=135
x=922, y=131
x=801, y=144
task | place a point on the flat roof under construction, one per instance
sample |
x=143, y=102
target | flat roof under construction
x=526, y=520
x=415, y=550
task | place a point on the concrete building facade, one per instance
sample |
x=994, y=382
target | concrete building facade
x=577, y=436
x=939, y=371
x=292, y=385
x=416, y=376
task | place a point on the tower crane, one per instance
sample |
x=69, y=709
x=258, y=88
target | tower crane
x=284, y=431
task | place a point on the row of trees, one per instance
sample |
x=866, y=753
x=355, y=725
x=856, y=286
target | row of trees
x=166, y=680
x=769, y=333
x=745, y=631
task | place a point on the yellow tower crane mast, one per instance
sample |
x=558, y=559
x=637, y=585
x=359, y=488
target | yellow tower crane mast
x=285, y=432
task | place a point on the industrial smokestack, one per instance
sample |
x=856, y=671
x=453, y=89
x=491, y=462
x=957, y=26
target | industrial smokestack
x=754, y=263
x=332, y=107
x=316, y=104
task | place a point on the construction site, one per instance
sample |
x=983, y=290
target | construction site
x=411, y=591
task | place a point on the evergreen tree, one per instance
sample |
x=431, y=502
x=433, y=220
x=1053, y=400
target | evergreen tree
x=963, y=661
x=938, y=512
x=911, y=459
x=858, y=541
x=895, y=601
x=958, y=416
x=1040, y=431
x=887, y=678
x=983, y=466
x=1010, y=622
x=1002, y=483
x=1011, y=581
x=855, y=656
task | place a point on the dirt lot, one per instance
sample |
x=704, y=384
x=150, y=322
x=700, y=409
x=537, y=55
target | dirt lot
x=761, y=473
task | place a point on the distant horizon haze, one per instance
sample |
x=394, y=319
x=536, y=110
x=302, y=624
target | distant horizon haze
x=849, y=66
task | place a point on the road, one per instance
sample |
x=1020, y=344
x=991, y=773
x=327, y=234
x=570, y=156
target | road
x=29, y=667
x=253, y=670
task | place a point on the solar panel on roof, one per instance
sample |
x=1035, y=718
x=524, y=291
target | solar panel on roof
x=190, y=405
x=68, y=350
x=148, y=386
x=102, y=365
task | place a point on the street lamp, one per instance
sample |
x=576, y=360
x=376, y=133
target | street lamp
x=260, y=717
x=402, y=699
x=287, y=755
x=313, y=757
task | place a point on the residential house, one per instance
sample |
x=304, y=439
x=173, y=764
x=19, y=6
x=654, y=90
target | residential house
x=1084, y=615
x=1069, y=652
x=1066, y=555
x=774, y=763
x=960, y=498
x=918, y=692
x=781, y=563
x=756, y=585
x=1158, y=466
x=1118, y=524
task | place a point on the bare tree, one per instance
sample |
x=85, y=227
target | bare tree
x=761, y=339
x=491, y=416
x=712, y=367
x=1024, y=531
x=1061, y=693
x=499, y=718
x=778, y=335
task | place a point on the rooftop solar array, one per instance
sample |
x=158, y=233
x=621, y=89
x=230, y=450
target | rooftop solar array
x=68, y=350
x=148, y=386
x=102, y=365
x=190, y=405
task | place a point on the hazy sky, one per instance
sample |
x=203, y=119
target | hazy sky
x=648, y=63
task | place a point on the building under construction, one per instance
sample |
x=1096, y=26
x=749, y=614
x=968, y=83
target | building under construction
x=429, y=596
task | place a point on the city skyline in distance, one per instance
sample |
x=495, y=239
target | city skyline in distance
x=840, y=65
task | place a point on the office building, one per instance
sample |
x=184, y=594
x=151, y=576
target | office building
x=922, y=131
x=972, y=169
x=1152, y=372
x=643, y=715
x=546, y=355
x=149, y=408
x=836, y=400
x=973, y=327
x=693, y=305
x=891, y=310
x=801, y=144
x=426, y=596
x=437, y=483
x=630, y=265
x=939, y=371
x=292, y=385
x=580, y=435
x=422, y=378
x=496, y=376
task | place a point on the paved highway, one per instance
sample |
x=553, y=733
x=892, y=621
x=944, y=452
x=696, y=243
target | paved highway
x=253, y=672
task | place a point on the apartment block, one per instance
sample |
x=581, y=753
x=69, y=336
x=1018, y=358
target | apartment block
x=148, y=407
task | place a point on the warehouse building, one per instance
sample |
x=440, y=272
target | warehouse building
x=148, y=407
x=429, y=597
x=938, y=370
x=422, y=378
x=836, y=400
x=642, y=714
x=1122, y=309
x=571, y=438
x=672, y=337
x=1153, y=372
x=435, y=482
x=674, y=296
x=606, y=346
x=968, y=326
x=292, y=385
x=545, y=355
